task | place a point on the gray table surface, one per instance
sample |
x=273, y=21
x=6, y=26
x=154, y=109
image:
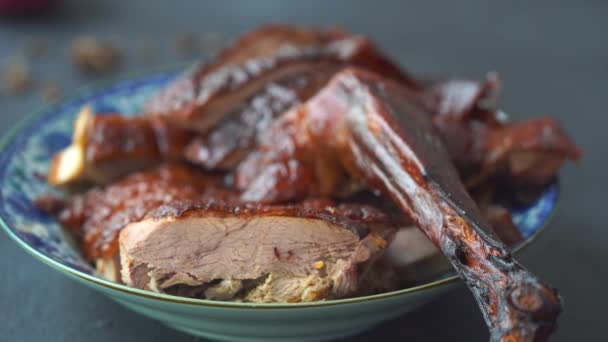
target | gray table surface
x=552, y=55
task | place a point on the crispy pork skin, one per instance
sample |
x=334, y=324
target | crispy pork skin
x=237, y=135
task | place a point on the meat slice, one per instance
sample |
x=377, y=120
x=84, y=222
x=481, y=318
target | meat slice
x=98, y=215
x=297, y=253
x=107, y=146
x=205, y=95
x=221, y=248
x=375, y=130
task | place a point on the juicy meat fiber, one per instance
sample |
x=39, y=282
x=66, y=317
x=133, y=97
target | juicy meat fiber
x=305, y=252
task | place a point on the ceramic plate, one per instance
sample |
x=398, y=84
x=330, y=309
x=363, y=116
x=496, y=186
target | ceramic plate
x=26, y=152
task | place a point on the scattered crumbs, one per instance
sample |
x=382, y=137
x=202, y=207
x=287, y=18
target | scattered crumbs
x=94, y=56
x=15, y=77
x=36, y=48
x=319, y=264
x=187, y=44
x=51, y=91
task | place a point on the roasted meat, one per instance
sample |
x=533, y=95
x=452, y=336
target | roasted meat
x=306, y=252
x=203, y=97
x=230, y=142
x=309, y=125
x=183, y=232
x=263, y=74
x=98, y=215
x=485, y=146
x=352, y=126
x=107, y=146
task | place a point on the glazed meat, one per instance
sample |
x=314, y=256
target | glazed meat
x=107, y=146
x=203, y=97
x=252, y=82
x=230, y=142
x=306, y=252
x=313, y=250
x=485, y=146
x=98, y=215
x=350, y=126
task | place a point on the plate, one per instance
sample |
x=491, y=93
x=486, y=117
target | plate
x=26, y=152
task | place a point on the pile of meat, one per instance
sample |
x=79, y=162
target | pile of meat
x=283, y=171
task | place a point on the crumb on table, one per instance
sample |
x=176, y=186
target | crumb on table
x=91, y=55
x=51, y=91
x=15, y=77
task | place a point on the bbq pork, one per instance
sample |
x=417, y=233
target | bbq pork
x=177, y=230
x=201, y=98
x=303, y=121
x=305, y=252
x=350, y=126
x=255, y=80
x=106, y=146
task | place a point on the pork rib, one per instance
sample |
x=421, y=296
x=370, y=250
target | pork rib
x=256, y=79
x=202, y=97
x=107, y=146
x=372, y=128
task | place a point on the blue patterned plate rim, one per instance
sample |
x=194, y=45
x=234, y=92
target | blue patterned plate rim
x=21, y=132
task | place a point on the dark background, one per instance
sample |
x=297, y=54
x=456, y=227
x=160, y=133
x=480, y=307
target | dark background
x=553, y=58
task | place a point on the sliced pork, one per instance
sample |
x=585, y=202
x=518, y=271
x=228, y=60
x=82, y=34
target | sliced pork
x=256, y=253
x=210, y=242
x=98, y=215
